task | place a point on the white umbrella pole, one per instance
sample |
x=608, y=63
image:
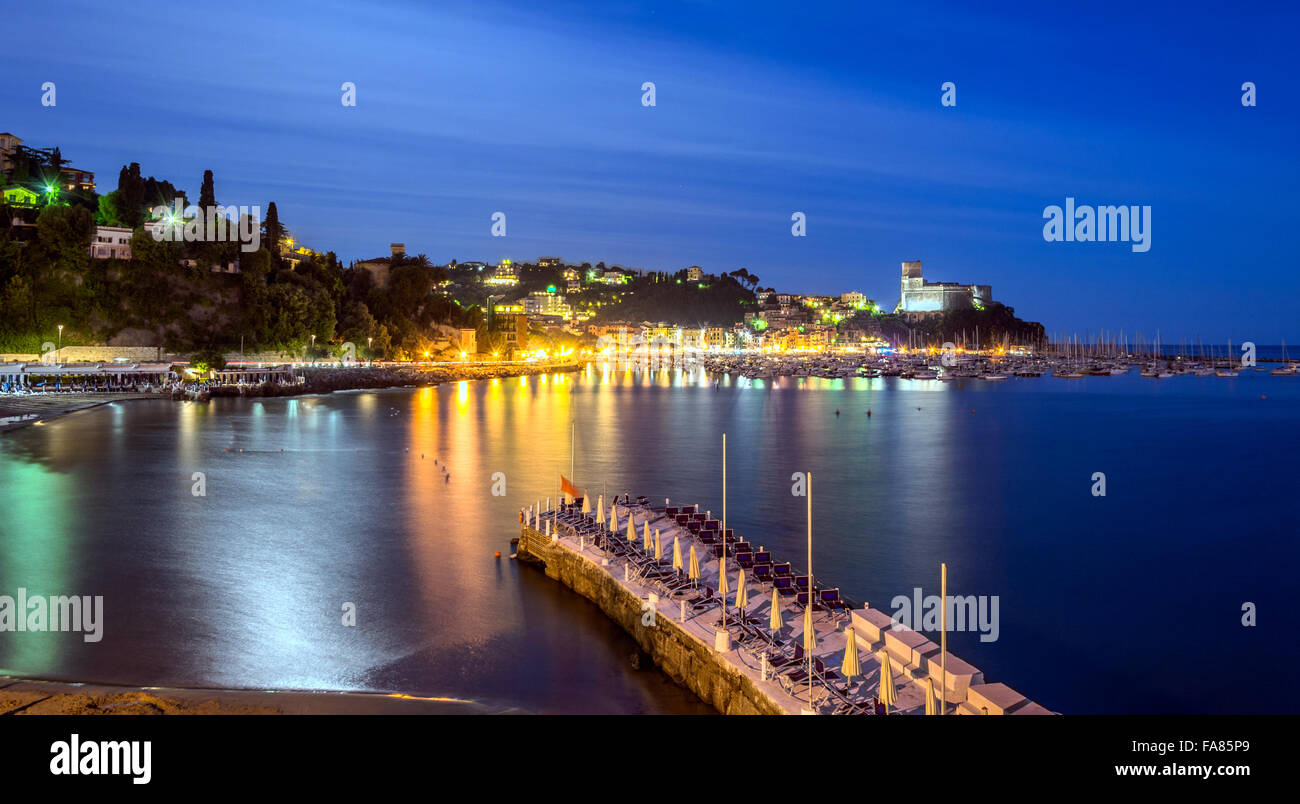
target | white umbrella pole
x=943, y=637
x=722, y=575
x=810, y=590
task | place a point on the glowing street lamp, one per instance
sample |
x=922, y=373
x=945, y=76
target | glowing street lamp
x=60, y=337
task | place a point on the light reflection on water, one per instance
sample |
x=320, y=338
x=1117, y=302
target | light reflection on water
x=316, y=501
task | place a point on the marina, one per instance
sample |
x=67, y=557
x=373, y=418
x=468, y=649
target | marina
x=936, y=363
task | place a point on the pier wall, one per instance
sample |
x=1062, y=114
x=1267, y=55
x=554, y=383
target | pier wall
x=682, y=656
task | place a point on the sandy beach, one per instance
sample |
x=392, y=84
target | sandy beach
x=33, y=697
x=21, y=411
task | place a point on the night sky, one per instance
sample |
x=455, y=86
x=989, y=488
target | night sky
x=534, y=109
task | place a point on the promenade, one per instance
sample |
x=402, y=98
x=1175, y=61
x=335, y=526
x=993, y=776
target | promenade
x=760, y=666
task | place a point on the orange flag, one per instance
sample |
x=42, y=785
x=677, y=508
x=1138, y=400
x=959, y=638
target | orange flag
x=568, y=488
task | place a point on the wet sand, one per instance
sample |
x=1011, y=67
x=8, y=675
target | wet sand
x=30, y=697
x=20, y=411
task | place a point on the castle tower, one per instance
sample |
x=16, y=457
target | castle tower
x=911, y=282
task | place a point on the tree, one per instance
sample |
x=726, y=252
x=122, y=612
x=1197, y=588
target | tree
x=207, y=193
x=130, y=190
x=272, y=233
x=207, y=360
x=109, y=213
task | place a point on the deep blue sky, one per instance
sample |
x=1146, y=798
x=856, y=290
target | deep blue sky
x=534, y=109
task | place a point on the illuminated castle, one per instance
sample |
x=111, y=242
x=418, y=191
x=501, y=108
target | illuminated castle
x=919, y=297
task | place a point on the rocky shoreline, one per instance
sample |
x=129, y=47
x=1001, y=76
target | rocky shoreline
x=328, y=380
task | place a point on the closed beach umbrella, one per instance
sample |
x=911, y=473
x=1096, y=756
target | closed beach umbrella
x=586, y=505
x=659, y=548
x=931, y=705
x=613, y=519
x=694, y=573
x=724, y=588
x=677, y=554
x=775, y=622
x=645, y=533
x=600, y=510
x=888, y=695
x=631, y=531
x=850, y=667
x=809, y=635
x=742, y=594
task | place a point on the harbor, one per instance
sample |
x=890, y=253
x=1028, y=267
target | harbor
x=723, y=617
x=1062, y=361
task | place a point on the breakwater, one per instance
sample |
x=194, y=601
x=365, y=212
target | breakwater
x=324, y=380
x=753, y=653
x=682, y=655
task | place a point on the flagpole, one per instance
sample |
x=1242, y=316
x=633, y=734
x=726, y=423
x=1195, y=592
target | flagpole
x=943, y=637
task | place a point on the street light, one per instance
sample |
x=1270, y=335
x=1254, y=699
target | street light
x=60, y=349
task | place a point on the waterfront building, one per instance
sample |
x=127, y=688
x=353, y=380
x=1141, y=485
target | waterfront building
x=715, y=338
x=252, y=375
x=511, y=321
x=77, y=376
x=111, y=243
x=547, y=303
x=919, y=297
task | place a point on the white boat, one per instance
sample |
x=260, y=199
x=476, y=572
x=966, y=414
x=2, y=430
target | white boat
x=993, y=377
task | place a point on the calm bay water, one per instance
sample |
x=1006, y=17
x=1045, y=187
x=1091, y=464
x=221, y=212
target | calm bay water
x=1130, y=602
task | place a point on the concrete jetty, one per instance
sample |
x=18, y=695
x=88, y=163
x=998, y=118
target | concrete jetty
x=753, y=669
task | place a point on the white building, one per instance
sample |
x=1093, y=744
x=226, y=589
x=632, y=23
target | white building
x=694, y=274
x=504, y=274
x=111, y=243
x=542, y=303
